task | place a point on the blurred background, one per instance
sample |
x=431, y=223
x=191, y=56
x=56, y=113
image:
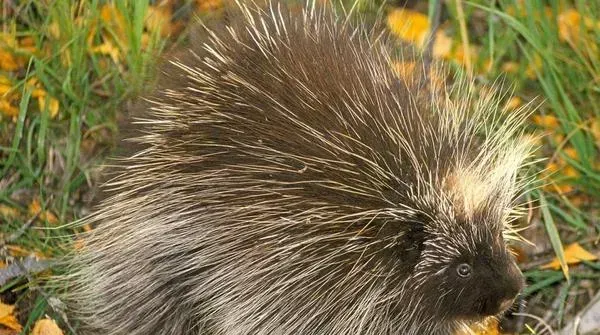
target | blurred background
x=68, y=70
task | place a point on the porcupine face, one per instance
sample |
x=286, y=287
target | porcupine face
x=468, y=283
x=463, y=271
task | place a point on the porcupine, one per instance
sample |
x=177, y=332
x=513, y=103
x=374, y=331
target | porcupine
x=289, y=181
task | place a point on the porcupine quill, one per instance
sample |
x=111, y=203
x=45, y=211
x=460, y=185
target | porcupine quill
x=289, y=181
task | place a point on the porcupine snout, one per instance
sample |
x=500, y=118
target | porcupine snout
x=503, y=290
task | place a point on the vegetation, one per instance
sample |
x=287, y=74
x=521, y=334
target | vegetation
x=68, y=67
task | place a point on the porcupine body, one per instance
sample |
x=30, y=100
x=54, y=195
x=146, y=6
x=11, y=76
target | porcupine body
x=290, y=182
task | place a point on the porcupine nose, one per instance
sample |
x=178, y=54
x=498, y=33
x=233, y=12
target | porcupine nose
x=513, y=285
x=502, y=291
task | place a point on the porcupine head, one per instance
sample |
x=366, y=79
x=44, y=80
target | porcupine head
x=291, y=182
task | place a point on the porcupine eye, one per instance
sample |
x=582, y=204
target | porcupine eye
x=464, y=270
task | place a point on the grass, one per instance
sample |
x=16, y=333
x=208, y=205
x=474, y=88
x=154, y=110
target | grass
x=76, y=63
x=48, y=161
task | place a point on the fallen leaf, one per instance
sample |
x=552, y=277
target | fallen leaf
x=460, y=57
x=408, y=25
x=570, y=171
x=546, y=121
x=7, y=317
x=579, y=201
x=35, y=207
x=158, y=19
x=107, y=48
x=114, y=20
x=8, y=109
x=46, y=327
x=570, y=25
x=27, y=42
x=208, y=5
x=8, y=62
x=17, y=251
x=54, y=30
x=595, y=128
x=8, y=212
x=534, y=67
x=574, y=254
x=571, y=152
x=510, y=67
x=35, y=86
x=442, y=45
x=513, y=103
x=6, y=86
x=51, y=102
x=558, y=138
x=488, y=326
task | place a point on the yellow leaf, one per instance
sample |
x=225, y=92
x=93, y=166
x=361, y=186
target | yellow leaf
x=570, y=171
x=513, y=103
x=54, y=30
x=546, y=121
x=486, y=67
x=7, y=109
x=114, y=20
x=579, y=201
x=409, y=25
x=107, y=48
x=35, y=207
x=574, y=254
x=558, y=138
x=8, y=62
x=208, y=5
x=18, y=251
x=560, y=188
x=460, y=57
x=35, y=87
x=27, y=44
x=5, y=80
x=52, y=103
x=27, y=41
x=5, y=89
x=534, y=67
x=8, y=40
x=488, y=326
x=595, y=130
x=8, y=212
x=510, y=67
x=38, y=92
x=569, y=26
x=159, y=19
x=145, y=40
x=571, y=152
x=591, y=23
x=46, y=327
x=442, y=45
x=7, y=317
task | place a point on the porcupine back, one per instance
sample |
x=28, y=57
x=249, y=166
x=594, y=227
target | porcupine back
x=290, y=182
